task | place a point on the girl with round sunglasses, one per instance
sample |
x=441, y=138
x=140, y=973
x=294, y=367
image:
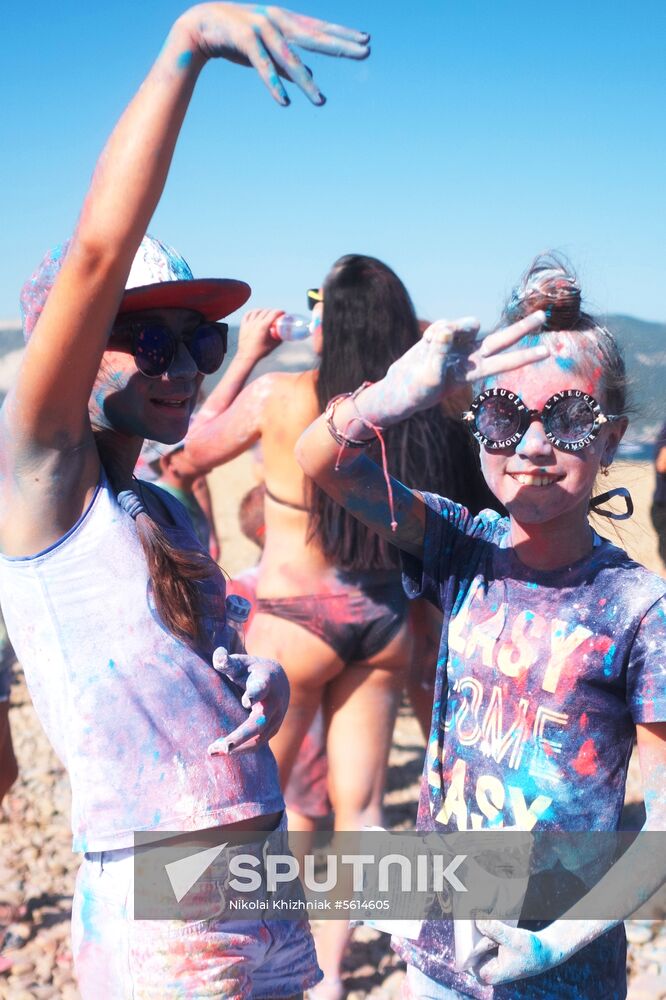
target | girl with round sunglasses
x=550, y=662
x=116, y=612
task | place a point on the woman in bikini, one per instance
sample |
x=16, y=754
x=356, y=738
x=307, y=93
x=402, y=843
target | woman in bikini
x=330, y=604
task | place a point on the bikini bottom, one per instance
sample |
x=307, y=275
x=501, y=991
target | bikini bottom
x=357, y=622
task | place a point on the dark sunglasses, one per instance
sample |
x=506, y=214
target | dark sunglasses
x=571, y=419
x=154, y=346
x=315, y=295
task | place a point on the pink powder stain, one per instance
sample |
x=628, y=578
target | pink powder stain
x=586, y=761
x=600, y=644
x=583, y=721
x=602, y=601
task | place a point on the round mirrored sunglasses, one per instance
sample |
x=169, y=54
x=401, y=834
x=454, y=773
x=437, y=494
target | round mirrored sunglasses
x=571, y=419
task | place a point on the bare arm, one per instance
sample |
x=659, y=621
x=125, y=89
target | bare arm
x=660, y=461
x=47, y=435
x=254, y=342
x=231, y=432
x=447, y=354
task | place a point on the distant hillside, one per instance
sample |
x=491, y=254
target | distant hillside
x=644, y=346
x=11, y=337
x=643, y=342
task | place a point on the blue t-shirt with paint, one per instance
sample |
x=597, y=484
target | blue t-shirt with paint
x=541, y=678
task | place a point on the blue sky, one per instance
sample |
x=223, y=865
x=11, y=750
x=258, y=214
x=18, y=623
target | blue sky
x=478, y=133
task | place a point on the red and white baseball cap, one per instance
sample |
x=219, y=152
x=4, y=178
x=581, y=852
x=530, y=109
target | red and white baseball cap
x=159, y=279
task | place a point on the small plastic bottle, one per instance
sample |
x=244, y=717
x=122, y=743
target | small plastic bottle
x=238, y=611
x=290, y=326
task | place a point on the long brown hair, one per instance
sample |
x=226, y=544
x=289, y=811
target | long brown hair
x=369, y=322
x=176, y=573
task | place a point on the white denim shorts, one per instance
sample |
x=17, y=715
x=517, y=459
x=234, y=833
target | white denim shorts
x=120, y=958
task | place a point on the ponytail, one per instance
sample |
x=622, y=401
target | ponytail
x=176, y=574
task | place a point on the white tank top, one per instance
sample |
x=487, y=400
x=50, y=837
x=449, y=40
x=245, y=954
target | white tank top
x=130, y=709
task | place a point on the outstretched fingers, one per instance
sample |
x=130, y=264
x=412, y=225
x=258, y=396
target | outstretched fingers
x=288, y=62
x=491, y=356
x=248, y=735
x=480, y=368
x=263, y=63
x=509, y=335
x=322, y=36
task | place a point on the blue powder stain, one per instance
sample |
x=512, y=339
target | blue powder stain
x=111, y=665
x=157, y=817
x=261, y=721
x=566, y=364
x=608, y=660
x=184, y=60
x=156, y=755
x=533, y=586
x=529, y=616
x=90, y=927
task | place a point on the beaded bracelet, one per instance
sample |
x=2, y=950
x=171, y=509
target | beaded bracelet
x=342, y=439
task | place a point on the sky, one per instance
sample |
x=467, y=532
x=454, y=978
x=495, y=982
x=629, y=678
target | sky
x=478, y=133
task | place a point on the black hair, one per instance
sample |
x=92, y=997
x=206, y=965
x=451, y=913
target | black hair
x=369, y=322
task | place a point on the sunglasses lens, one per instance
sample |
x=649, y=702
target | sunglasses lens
x=208, y=346
x=570, y=420
x=497, y=418
x=153, y=350
x=314, y=296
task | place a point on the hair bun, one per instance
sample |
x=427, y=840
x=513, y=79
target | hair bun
x=551, y=285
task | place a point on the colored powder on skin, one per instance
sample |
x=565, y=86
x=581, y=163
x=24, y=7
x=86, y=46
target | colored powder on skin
x=184, y=60
x=566, y=364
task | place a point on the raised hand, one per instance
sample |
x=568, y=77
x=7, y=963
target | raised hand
x=448, y=354
x=254, y=336
x=265, y=695
x=264, y=36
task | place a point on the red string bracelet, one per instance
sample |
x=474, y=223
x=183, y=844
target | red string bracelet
x=342, y=439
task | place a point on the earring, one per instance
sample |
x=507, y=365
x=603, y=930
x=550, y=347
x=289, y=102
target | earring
x=604, y=470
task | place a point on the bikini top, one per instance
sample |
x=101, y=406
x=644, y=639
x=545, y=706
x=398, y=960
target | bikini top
x=286, y=503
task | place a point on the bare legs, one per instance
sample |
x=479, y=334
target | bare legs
x=360, y=704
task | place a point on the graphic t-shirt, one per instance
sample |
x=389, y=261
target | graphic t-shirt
x=541, y=678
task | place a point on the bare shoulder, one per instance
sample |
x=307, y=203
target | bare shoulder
x=292, y=398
